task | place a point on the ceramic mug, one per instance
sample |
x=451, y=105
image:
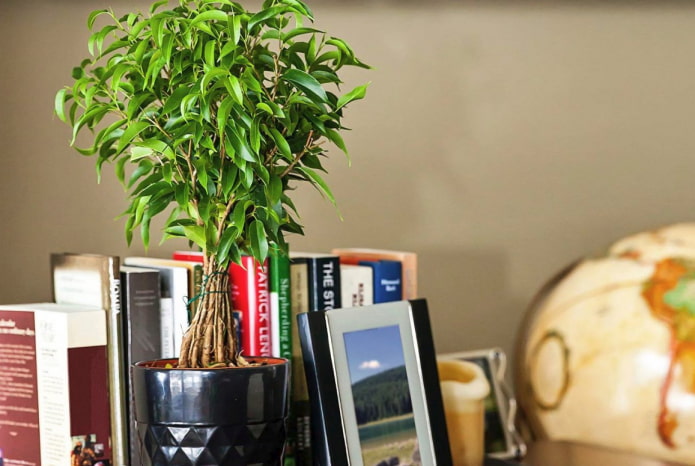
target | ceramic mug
x=464, y=389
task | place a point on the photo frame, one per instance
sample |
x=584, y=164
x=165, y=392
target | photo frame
x=501, y=437
x=373, y=385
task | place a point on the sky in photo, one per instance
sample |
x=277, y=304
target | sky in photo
x=372, y=351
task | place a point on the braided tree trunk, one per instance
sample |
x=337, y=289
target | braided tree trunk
x=210, y=340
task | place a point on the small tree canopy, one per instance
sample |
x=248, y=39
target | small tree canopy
x=218, y=110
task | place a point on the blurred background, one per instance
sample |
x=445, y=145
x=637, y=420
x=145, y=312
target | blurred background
x=499, y=140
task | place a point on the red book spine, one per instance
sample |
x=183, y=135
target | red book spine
x=251, y=297
x=193, y=256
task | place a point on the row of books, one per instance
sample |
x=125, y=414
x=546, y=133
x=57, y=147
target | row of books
x=64, y=366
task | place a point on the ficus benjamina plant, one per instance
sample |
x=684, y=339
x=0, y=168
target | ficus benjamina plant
x=211, y=115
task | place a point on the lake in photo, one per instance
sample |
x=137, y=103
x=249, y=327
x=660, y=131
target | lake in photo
x=381, y=394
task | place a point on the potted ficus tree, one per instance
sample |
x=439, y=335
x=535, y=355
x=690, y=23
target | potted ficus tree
x=211, y=114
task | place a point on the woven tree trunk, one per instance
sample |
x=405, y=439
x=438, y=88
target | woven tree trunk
x=210, y=340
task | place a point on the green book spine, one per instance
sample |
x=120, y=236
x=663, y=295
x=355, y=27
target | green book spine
x=281, y=312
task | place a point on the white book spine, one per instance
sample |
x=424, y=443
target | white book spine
x=356, y=285
x=51, y=374
x=166, y=320
x=275, y=323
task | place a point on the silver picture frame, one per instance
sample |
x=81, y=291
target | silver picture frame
x=394, y=341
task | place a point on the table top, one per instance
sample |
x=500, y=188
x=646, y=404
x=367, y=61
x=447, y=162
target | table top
x=554, y=453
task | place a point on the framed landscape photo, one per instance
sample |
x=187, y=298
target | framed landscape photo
x=501, y=437
x=373, y=385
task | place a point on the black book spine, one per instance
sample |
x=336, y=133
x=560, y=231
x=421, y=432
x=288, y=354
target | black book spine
x=324, y=283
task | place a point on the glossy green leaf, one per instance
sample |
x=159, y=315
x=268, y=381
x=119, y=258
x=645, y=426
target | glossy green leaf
x=229, y=235
x=93, y=16
x=356, y=94
x=60, y=98
x=264, y=15
x=196, y=234
x=281, y=143
x=130, y=133
x=318, y=182
x=259, y=241
x=210, y=15
x=306, y=83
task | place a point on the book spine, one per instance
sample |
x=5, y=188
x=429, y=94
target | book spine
x=324, y=283
x=298, y=434
x=387, y=280
x=115, y=358
x=196, y=288
x=407, y=259
x=166, y=323
x=192, y=256
x=356, y=285
x=140, y=295
x=250, y=295
x=280, y=318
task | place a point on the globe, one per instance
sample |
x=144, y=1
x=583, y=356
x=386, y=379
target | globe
x=606, y=354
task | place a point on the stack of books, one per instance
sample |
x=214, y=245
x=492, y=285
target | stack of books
x=64, y=366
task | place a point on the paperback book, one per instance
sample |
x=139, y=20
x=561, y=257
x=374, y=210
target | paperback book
x=54, y=384
x=94, y=280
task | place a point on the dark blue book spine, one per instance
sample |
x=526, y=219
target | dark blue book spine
x=388, y=280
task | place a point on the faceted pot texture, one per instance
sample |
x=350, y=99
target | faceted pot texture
x=224, y=416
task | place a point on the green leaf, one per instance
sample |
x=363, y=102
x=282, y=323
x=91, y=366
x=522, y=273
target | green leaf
x=307, y=83
x=130, y=133
x=240, y=146
x=336, y=139
x=137, y=153
x=196, y=234
x=259, y=241
x=236, y=28
x=60, y=99
x=229, y=178
x=174, y=99
x=318, y=182
x=93, y=16
x=229, y=235
x=264, y=107
x=266, y=14
x=281, y=143
x=356, y=94
x=210, y=15
x=158, y=146
x=274, y=189
x=311, y=50
x=210, y=53
x=210, y=75
x=142, y=169
x=342, y=46
x=228, y=48
x=234, y=88
x=157, y=4
x=239, y=214
x=223, y=113
x=119, y=169
x=299, y=31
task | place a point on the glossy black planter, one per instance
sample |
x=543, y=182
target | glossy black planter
x=233, y=416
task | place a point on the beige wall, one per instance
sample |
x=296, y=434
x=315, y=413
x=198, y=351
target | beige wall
x=499, y=142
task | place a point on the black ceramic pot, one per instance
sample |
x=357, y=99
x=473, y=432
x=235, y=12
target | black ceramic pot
x=229, y=416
